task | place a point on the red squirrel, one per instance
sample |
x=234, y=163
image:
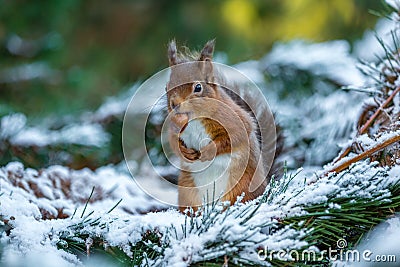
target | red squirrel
x=213, y=135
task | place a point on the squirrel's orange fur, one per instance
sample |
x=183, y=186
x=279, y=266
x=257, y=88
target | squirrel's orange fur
x=231, y=129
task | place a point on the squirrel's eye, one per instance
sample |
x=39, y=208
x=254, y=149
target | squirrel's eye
x=197, y=88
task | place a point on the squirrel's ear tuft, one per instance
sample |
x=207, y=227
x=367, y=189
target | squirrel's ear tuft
x=207, y=51
x=172, y=53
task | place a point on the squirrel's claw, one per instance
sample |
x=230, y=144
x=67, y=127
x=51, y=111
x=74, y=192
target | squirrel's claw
x=188, y=153
x=208, y=152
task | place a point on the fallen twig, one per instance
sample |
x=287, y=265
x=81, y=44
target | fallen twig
x=344, y=154
x=381, y=107
x=344, y=165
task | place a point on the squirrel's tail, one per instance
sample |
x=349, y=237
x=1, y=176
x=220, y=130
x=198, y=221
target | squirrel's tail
x=269, y=133
x=271, y=140
x=276, y=170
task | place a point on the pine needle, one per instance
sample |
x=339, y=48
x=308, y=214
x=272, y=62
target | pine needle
x=76, y=208
x=87, y=202
x=115, y=206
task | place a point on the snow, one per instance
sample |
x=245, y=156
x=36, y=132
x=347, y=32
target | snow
x=115, y=106
x=13, y=128
x=334, y=115
x=305, y=115
x=382, y=241
x=330, y=59
x=394, y=3
x=364, y=140
x=12, y=124
x=84, y=134
x=252, y=70
x=28, y=195
x=368, y=48
x=25, y=72
x=59, y=188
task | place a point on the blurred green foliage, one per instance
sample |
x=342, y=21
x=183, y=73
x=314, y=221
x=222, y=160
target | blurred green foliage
x=62, y=57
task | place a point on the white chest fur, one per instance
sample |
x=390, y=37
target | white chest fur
x=210, y=177
x=195, y=135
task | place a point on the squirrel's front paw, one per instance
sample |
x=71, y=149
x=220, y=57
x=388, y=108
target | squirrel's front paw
x=188, y=153
x=208, y=152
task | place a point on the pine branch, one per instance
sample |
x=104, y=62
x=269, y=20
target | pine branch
x=322, y=224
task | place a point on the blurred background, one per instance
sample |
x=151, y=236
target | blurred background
x=65, y=56
x=60, y=59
